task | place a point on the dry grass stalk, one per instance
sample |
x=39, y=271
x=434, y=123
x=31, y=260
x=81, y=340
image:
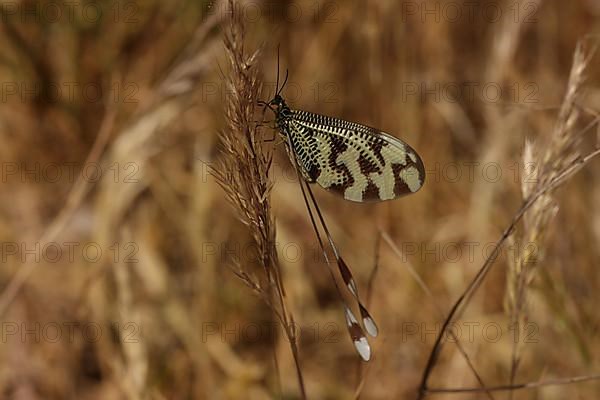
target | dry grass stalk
x=559, y=163
x=167, y=104
x=243, y=173
x=529, y=385
x=439, y=309
x=543, y=165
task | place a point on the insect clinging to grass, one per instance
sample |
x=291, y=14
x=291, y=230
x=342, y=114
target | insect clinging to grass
x=358, y=162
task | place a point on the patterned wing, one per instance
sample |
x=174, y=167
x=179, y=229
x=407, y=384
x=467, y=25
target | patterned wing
x=354, y=160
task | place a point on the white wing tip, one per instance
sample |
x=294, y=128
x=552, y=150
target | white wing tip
x=370, y=326
x=363, y=348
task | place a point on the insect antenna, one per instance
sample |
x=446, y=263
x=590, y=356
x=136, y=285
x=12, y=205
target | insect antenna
x=277, y=82
x=277, y=89
x=266, y=104
x=284, y=82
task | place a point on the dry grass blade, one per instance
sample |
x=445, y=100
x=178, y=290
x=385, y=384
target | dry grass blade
x=440, y=311
x=517, y=386
x=546, y=165
x=76, y=196
x=555, y=171
x=243, y=173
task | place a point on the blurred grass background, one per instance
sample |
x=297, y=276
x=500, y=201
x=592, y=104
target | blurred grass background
x=116, y=240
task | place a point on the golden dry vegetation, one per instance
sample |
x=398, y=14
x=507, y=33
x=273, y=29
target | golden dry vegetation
x=146, y=243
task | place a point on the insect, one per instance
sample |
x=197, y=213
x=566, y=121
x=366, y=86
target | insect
x=355, y=161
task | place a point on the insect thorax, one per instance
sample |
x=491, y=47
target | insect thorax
x=283, y=116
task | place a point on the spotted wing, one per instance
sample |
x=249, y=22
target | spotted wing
x=356, y=161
